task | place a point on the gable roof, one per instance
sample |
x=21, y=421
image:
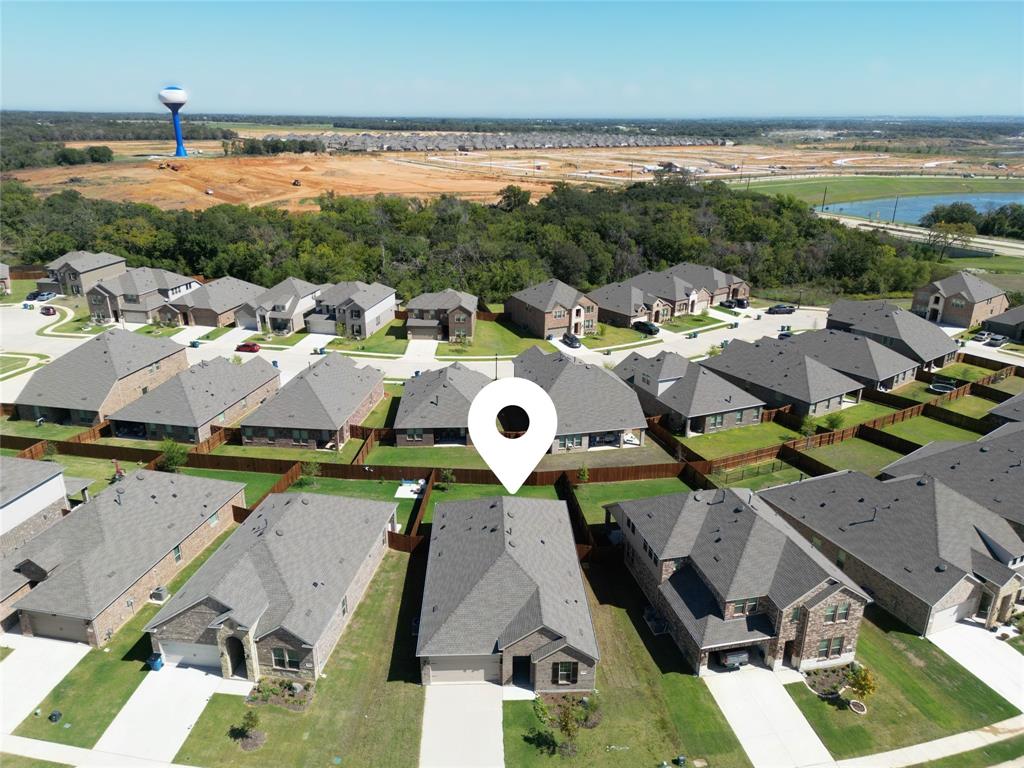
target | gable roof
x=877, y=521
x=286, y=293
x=140, y=281
x=323, y=396
x=664, y=285
x=85, y=261
x=439, y=399
x=198, y=394
x=856, y=356
x=21, y=476
x=973, y=288
x=783, y=368
x=1012, y=409
x=549, y=294
x=82, y=378
x=1009, y=317
x=220, y=295
x=448, y=300
x=110, y=542
x=587, y=397
x=500, y=568
x=880, y=318
x=622, y=298
x=361, y=294
x=703, y=276
x=288, y=566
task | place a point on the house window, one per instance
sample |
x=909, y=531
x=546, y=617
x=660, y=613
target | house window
x=794, y=615
x=645, y=378
x=214, y=519
x=844, y=612
x=830, y=614
x=570, y=441
x=564, y=672
x=815, y=542
x=285, y=658
x=717, y=420
x=177, y=553
x=823, y=646
x=837, y=646
x=744, y=607
x=414, y=434
x=739, y=417
x=145, y=390
x=841, y=558
x=355, y=313
x=344, y=606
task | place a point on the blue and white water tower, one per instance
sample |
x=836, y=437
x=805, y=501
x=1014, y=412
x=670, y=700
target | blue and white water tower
x=174, y=99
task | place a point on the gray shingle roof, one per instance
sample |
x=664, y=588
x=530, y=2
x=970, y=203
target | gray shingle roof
x=439, y=399
x=500, y=568
x=856, y=356
x=361, y=294
x=622, y=298
x=83, y=378
x=701, y=276
x=448, y=300
x=880, y=318
x=973, y=288
x=1012, y=409
x=20, y=476
x=140, y=281
x=85, y=261
x=109, y=543
x=691, y=389
x=783, y=368
x=664, y=285
x=548, y=295
x=286, y=293
x=917, y=532
x=289, y=565
x=323, y=396
x=220, y=295
x=1009, y=317
x=198, y=394
x=587, y=397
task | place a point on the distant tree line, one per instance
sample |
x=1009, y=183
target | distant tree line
x=586, y=238
x=272, y=146
x=1004, y=221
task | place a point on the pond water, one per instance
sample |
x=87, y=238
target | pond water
x=910, y=209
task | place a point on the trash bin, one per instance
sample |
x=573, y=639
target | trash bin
x=155, y=661
x=194, y=344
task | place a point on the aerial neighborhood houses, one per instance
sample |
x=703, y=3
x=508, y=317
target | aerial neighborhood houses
x=275, y=598
x=503, y=599
x=1009, y=323
x=434, y=409
x=962, y=299
x=899, y=329
x=318, y=407
x=213, y=304
x=1009, y=410
x=353, y=309
x=859, y=357
x=595, y=408
x=33, y=496
x=281, y=309
x=137, y=295
x=187, y=406
x=445, y=315
x=97, y=378
x=726, y=573
x=74, y=273
x=552, y=309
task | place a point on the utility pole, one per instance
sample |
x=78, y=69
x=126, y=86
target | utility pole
x=823, y=197
x=893, y=221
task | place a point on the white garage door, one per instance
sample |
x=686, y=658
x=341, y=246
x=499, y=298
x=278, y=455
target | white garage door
x=947, y=618
x=191, y=655
x=465, y=669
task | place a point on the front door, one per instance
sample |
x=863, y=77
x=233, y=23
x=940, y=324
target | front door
x=521, y=671
x=236, y=657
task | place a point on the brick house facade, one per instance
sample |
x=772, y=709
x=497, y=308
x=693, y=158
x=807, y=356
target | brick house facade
x=579, y=319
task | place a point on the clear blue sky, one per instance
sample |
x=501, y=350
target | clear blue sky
x=572, y=59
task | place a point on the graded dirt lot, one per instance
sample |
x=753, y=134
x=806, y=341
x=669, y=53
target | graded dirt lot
x=136, y=175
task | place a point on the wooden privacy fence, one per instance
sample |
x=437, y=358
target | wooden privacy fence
x=581, y=533
x=28, y=272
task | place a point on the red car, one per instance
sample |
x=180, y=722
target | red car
x=48, y=310
x=248, y=346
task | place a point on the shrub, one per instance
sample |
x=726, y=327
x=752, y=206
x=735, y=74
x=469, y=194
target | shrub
x=807, y=426
x=174, y=455
x=861, y=682
x=834, y=421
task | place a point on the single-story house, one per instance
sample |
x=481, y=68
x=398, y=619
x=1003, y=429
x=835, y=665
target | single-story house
x=595, y=407
x=552, y=308
x=503, y=600
x=682, y=297
x=692, y=399
x=213, y=304
x=74, y=273
x=137, y=295
x=275, y=598
x=622, y=304
x=185, y=407
x=281, y=309
x=721, y=285
x=926, y=553
x=87, y=574
x=33, y=496
x=781, y=374
x=353, y=309
x=444, y=315
x=318, y=407
x=103, y=375
x=725, y=573
x=1009, y=323
x=859, y=357
x=962, y=299
x=1009, y=410
x=894, y=327
x=434, y=408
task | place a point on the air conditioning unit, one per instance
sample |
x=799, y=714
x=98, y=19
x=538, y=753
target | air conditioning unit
x=159, y=595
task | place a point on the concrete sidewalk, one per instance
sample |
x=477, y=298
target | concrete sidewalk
x=65, y=755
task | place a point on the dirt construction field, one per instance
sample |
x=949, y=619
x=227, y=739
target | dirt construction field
x=209, y=178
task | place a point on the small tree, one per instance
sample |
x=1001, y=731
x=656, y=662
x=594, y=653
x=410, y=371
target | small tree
x=310, y=472
x=250, y=722
x=174, y=455
x=447, y=477
x=834, y=421
x=583, y=475
x=236, y=360
x=568, y=717
x=49, y=451
x=714, y=350
x=807, y=426
x=861, y=682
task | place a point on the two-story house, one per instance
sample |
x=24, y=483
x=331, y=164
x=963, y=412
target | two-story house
x=962, y=299
x=551, y=309
x=444, y=315
x=353, y=309
x=74, y=273
x=138, y=295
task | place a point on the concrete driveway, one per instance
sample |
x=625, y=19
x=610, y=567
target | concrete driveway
x=30, y=672
x=993, y=661
x=462, y=726
x=156, y=720
x=768, y=724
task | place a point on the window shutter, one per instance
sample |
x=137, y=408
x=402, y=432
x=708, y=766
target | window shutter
x=575, y=673
x=554, y=673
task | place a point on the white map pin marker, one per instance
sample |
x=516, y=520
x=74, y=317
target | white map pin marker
x=512, y=460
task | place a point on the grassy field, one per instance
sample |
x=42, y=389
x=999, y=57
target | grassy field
x=922, y=695
x=383, y=414
x=856, y=454
x=256, y=483
x=11, y=363
x=653, y=708
x=17, y=761
x=100, y=471
x=858, y=414
x=847, y=188
x=759, y=476
x=368, y=707
x=1012, y=384
x=593, y=496
x=612, y=335
x=466, y=491
x=916, y=390
x=494, y=338
x=215, y=333
x=684, y=323
x=923, y=430
x=9, y=451
x=739, y=439
x=965, y=371
x=378, y=490
x=160, y=331
x=131, y=442
x=993, y=754
x=390, y=339
x=971, y=405
x=19, y=290
x=28, y=428
x=1002, y=265
x=443, y=456
x=344, y=456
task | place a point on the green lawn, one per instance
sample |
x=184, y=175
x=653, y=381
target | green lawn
x=17, y=761
x=131, y=442
x=998, y=264
x=593, y=496
x=1017, y=643
x=653, y=708
x=100, y=471
x=739, y=439
x=856, y=454
x=858, y=414
x=612, y=335
x=378, y=490
x=965, y=371
x=847, y=188
x=28, y=428
x=11, y=363
x=368, y=706
x=685, y=323
x=19, y=290
x=1012, y=384
x=9, y=451
x=256, y=483
x=970, y=405
x=289, y=454
x=443, y=456
x=759, y=476
x=500, y=337
x=922, y=695
x=160, y=331
x=216, y=333
x=464, y=491
x=916, y=390
x=993, y=754
x=922, y=430
x=383, y=414
x=390, y=339
x=5, y=652
x=273, y=340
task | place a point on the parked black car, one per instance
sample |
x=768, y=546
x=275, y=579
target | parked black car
x=781, y=309
x=646, y=327
x=742, y=303
x=571, y=340
x=786, y=335
x=32, y=295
